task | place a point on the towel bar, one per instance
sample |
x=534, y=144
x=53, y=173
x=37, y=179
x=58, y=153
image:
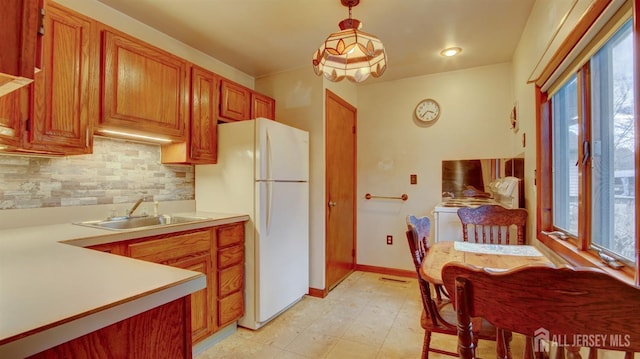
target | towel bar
x=404, y=197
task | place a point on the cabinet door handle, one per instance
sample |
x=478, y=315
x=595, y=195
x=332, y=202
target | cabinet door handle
x=332, y=204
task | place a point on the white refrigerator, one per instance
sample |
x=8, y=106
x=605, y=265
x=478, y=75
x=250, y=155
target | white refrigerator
x=263, y=171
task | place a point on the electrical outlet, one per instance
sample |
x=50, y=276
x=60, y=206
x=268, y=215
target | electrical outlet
x=389, y=239
x=413, y=179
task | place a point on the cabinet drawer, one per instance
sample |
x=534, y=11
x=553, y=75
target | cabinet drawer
x=230, y=235
x=113, y=248
x=164, y=249
x=230, y=256
x=230, y=280
x=230, y=308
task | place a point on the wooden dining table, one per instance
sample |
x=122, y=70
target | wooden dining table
x=477, y=254
x=483, y=256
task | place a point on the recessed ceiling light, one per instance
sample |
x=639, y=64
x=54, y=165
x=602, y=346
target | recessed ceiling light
x=452, y=51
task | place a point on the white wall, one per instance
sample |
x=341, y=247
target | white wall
x=474, y=123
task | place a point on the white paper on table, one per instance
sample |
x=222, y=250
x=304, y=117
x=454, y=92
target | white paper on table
x=504, y=249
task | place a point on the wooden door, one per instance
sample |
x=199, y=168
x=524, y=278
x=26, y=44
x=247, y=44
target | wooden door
x=65, y=91
x=340, y=190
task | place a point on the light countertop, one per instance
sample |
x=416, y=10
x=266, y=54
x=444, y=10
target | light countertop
x=53, y=290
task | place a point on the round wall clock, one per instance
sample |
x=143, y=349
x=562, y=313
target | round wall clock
x=427, y=110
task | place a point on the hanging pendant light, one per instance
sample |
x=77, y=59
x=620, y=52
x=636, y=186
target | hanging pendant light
x=350, y=53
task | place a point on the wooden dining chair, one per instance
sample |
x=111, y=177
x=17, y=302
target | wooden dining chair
x=438, y=315
x=492, y=224
x=421, y=227
x=570, y=307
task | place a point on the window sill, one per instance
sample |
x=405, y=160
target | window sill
x=578, y=258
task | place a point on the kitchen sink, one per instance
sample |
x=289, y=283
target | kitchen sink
x=127, y=223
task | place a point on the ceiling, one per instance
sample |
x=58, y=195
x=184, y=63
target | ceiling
x=264, y=37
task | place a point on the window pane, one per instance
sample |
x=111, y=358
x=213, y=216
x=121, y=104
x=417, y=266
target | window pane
x=613, y=141
x=565, y=156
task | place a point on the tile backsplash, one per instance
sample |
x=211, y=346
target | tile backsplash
x=117, y=172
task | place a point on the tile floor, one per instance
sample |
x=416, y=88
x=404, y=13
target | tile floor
x=365, y=316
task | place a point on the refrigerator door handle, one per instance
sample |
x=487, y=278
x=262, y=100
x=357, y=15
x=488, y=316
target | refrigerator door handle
x=269, y=154
x=269, y=194
x=268, y=164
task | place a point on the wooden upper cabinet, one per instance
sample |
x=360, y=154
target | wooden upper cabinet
x=64, y=94
x=10, y=120
x=144, y=89
x=18, y=30
x=235, y=102
x=201, y=146
x=238, y=103
x=204, y=119
x=262, y=106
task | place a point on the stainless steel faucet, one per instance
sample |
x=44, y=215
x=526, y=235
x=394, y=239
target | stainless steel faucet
x=136, y=205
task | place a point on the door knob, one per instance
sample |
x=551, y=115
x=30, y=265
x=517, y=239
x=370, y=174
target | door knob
x=332, y=204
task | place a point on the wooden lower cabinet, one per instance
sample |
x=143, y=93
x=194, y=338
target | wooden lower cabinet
x=218, y=252
x=230, y=308
x=201, y=146
x=201, y=309
x=230, y=244
x=192, y=251
x=161, y=332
